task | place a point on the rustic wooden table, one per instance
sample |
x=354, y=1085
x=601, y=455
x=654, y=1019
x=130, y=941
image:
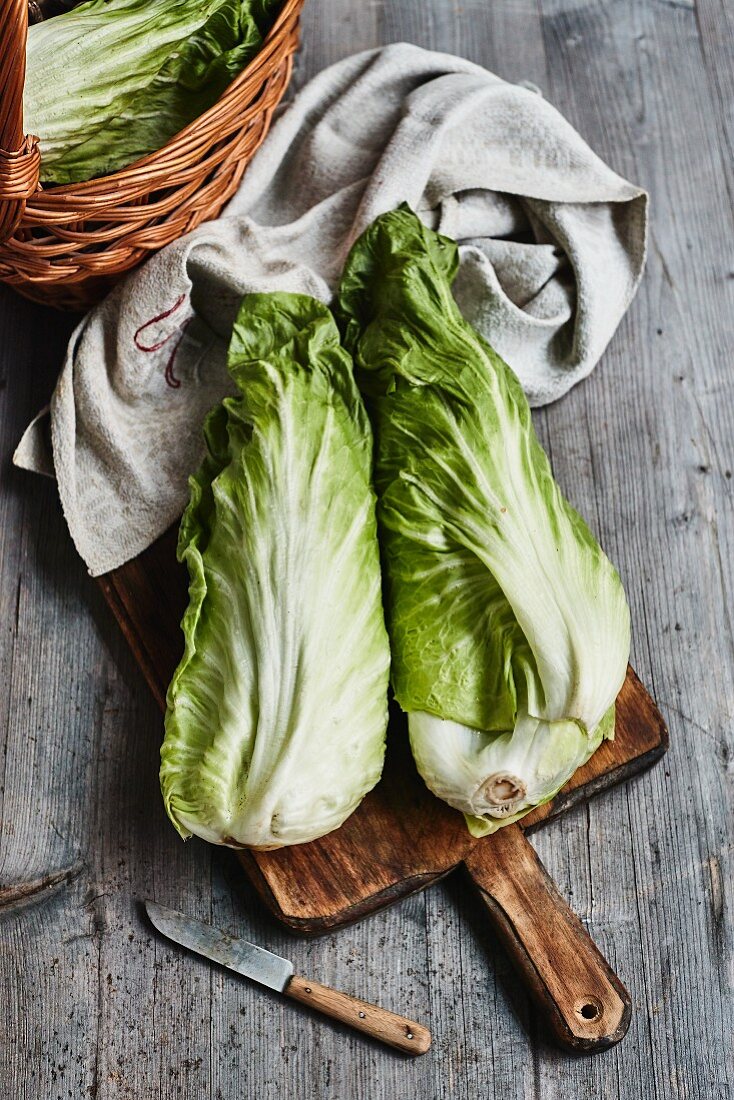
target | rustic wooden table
x=93, y=1004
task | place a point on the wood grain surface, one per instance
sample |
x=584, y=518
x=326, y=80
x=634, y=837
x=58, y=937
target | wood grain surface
x=94, y=1005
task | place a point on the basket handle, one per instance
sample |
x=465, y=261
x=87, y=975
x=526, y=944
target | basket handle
x=20, y=159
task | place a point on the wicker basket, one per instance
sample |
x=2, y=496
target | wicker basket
x=67, y=245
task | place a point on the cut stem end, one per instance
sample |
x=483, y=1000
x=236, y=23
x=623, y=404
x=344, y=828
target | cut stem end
x=504, y=794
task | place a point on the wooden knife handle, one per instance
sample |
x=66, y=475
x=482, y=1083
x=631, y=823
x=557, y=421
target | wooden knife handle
x=394, y=1030
x=579, y=995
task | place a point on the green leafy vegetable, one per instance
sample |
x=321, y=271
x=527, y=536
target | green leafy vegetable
x=113, y=80
x=509, y=627
x=277, y=714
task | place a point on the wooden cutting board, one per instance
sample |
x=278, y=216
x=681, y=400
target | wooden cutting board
x=401, y=839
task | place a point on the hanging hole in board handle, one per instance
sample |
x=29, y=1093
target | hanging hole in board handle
x=589, y=1009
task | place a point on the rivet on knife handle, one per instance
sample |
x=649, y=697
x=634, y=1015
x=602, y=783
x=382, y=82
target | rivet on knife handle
x=396, y=1031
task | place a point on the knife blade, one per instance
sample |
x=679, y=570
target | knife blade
x=236, y=954
x=277, y=973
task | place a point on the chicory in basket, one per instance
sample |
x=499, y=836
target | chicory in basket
x=113, y=80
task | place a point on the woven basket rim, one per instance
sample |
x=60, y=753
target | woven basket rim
x=147, y=167
x=66, y=245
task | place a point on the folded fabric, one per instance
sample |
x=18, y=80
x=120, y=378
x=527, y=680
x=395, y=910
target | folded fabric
x=552, y=247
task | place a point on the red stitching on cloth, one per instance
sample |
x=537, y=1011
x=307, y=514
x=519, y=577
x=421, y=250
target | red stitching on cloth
x=171, y=379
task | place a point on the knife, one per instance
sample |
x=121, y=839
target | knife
x=277, y=973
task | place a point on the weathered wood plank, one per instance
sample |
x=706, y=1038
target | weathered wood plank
x=656, y=468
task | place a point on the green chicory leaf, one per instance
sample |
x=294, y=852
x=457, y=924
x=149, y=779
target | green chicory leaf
x=112, y=80
x=277, y=713
x=509, y=627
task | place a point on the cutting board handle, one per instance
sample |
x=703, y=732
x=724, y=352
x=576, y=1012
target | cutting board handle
x=579, y=995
